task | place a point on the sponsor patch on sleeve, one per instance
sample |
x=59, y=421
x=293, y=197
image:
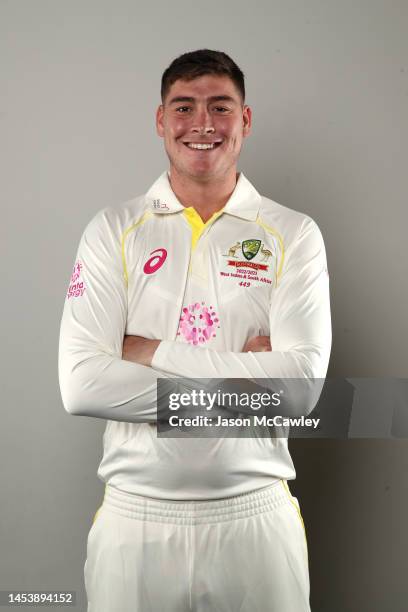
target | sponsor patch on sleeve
x=76, y=285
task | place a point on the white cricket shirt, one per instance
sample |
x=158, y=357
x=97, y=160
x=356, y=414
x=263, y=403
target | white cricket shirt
x=152, y=268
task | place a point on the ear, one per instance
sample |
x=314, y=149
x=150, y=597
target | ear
x=159, y=120
x=246, y=120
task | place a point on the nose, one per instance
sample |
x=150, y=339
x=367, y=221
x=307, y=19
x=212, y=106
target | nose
x=202, y=123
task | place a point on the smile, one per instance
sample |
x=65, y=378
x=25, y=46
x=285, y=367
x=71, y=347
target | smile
x=203, y=146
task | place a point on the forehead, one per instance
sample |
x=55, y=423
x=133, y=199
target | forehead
x=206, y=86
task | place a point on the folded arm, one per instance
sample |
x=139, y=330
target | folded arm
x=94, y=379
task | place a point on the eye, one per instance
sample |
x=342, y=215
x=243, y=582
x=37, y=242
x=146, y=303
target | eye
x=182, y=109
x=221, y=109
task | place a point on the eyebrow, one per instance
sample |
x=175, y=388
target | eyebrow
x=223, y=98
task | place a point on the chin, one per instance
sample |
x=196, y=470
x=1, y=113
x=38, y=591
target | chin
x=203, y=174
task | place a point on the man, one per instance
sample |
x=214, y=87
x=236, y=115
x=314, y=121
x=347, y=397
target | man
x=201, y=277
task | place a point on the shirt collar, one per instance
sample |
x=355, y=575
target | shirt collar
x=244, y=201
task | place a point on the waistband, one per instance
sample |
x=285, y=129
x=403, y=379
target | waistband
x=196, y=512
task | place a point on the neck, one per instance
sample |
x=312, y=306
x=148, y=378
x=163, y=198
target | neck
x=206, y=197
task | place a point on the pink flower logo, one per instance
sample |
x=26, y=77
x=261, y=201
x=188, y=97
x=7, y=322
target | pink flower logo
x=198, y=323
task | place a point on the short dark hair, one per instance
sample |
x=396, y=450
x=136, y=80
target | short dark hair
x=194, y=64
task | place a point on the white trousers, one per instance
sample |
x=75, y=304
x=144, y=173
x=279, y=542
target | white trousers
x=241, y=554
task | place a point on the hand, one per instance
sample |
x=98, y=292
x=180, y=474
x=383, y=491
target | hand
x=139, y=349
x=258, y=344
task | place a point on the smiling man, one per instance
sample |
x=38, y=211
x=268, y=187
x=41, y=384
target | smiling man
x=201, y=277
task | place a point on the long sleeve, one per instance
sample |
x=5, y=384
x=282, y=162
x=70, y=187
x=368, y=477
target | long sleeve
x=94, y=380
x=300, y=329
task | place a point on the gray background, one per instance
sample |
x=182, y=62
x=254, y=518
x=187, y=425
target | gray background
x=328, y=83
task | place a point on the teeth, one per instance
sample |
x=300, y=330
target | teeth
x=199, y=145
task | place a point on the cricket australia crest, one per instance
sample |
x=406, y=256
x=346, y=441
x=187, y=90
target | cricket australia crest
x=250, y=248
x=249, y=263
